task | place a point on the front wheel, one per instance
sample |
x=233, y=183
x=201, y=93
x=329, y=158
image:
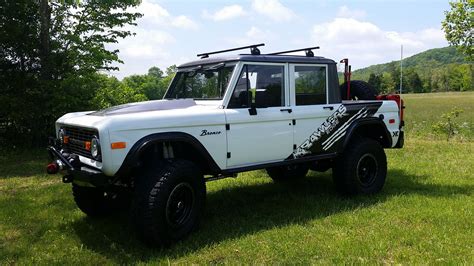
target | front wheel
x=169, y=201
x=361, y=169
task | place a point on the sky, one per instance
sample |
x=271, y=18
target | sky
x=366, y=31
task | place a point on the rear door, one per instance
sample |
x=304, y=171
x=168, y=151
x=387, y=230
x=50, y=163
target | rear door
x=315, y=119
x=258, y=115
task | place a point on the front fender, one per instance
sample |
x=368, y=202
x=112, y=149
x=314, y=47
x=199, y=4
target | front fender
x=132, y=160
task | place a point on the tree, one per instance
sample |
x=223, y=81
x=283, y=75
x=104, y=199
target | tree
x=458, y=26
x=387, y=84
x=171, y=70
x=49, y=54
x=155, y=72
x=375, y=81
x=112, y=92
x=413, y=82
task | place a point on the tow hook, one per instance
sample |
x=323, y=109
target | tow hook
x=61, y=161
x=54, y=167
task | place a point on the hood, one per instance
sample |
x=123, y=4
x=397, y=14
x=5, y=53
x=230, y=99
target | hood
x=150, y=114
x=147, y=106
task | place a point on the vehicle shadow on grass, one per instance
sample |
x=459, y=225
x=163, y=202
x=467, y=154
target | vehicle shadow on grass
x=244, y=210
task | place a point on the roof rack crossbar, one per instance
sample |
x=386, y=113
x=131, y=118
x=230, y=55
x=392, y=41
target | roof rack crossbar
x=253, y=50
x=308, y=51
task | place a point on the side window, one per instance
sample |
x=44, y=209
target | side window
x=310, y=85
x=260, y=86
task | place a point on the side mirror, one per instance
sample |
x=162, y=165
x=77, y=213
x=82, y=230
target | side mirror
x=252, y=109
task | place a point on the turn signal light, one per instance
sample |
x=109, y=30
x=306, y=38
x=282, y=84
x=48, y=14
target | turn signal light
x=66, y=139
x=87, y=145
x=118, y=145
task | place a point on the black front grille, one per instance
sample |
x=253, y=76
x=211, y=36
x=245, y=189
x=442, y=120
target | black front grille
x=77, y=138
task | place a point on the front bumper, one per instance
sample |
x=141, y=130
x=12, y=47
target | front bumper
x=75, y=171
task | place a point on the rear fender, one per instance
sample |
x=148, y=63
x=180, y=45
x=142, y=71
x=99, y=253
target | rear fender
x=370, y=127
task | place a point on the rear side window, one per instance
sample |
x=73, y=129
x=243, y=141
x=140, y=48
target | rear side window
x=260, y=86
x=310, y=85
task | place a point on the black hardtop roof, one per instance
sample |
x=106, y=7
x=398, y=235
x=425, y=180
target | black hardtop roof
x=260, y=58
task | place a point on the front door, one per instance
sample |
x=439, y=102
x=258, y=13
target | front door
x=258, y=116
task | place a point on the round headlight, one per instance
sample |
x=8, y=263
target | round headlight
x=95, y=148
x=61, y=134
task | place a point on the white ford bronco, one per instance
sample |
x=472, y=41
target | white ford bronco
x=221, y=116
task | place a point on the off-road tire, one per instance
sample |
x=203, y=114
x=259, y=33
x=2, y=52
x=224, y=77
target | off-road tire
x=288, y=172
x=95, y=202
x=360, y=90
x=361, y=169
x=169, y=201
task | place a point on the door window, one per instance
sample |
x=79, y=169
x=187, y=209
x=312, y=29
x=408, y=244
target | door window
x=310, y=85
x=260, y=86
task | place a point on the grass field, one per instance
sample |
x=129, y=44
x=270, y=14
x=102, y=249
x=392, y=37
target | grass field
x=424, y=214
x=424, y=109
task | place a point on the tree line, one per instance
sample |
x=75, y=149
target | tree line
x=451, y=77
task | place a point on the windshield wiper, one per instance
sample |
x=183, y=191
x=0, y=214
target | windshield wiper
x=215, y=67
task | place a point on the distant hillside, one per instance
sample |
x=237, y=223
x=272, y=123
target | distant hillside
x=433, y=58
x=440, y=69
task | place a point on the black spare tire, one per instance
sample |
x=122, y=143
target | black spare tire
x=360, y=90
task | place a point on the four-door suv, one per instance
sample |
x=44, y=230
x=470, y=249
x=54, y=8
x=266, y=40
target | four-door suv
x=221, y=116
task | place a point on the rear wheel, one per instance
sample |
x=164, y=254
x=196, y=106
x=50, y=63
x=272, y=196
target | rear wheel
x=288, y=172
x=360, y=90
x=361, y=169
x=169, y=202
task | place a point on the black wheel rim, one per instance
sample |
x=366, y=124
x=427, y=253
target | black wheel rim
x=180, y=205
x=367, y=169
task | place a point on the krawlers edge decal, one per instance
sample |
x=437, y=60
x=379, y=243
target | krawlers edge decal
x=334, y=128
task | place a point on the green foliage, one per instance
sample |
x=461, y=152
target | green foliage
x=113, y=92
x=375, y=81
x=50, y=53
x=441, y=69
x=449, y=125
x=311, y=81
x=152, y=86
x=458, y=26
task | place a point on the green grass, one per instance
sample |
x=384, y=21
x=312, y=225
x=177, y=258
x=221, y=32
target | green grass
x=423, y=110
x=424, y=214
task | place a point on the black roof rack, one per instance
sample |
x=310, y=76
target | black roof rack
x=309, y=52
x=253, y=50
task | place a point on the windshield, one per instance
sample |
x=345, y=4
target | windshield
x=201, y=84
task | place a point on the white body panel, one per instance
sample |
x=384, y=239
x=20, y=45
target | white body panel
x=269, y=136
x=257, y=139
